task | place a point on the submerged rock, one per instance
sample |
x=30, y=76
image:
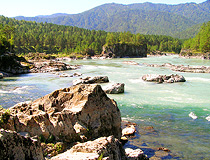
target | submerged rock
x=71, y=114
x=115, y=88
x=91, y=80
x=163, y=78
x=65, y=75
x=15, y=146
x=131, y=63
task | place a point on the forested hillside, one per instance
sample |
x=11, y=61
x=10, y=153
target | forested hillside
x=144, y=18
x=6, y=38
x=201, y=42
x=35, y=37
x=188, y=33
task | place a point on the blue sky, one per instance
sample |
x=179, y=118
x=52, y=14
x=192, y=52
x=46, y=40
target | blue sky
x=12, y=8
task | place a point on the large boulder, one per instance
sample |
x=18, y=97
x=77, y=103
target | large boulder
x=72, y=114
x=15, y=146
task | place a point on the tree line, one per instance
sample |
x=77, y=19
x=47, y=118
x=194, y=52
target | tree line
x=201, y=42
x=25, y=37
x=6, y=38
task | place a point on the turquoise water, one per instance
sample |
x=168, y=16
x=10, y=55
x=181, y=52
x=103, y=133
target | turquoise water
x=166, y=107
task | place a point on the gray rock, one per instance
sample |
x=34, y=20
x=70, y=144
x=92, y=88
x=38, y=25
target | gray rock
x=91, y=80
x=115, y=88
x=50, y=66
x=163, y=78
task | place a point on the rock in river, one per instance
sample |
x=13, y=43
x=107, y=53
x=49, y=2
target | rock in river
x=163, y=78
x=91, y=80
x=129, y=130
x=115, y=88
x=50, y=66
x=78, y=113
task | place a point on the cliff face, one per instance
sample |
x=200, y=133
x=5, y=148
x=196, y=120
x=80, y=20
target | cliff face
x=124, y=50
x=78, y=113
x=10, y=63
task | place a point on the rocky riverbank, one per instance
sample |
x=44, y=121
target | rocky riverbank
x=10, y=65
x=45, y=66
x=187, y=53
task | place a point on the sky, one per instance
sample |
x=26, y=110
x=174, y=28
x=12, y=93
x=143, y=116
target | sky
x=31, y=8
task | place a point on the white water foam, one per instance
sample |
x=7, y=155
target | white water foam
x=2, y=91
x=18, y=90
x=136, y=80
x=198, y=79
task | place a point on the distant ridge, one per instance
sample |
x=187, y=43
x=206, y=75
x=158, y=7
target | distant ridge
x=145, y=18
x=53, y=15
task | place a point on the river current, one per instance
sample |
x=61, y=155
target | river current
x=165, y=107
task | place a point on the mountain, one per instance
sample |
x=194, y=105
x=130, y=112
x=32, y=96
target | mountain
x=189, y=32
x=145, y=18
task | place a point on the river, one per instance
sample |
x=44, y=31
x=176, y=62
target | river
x=165, y=107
